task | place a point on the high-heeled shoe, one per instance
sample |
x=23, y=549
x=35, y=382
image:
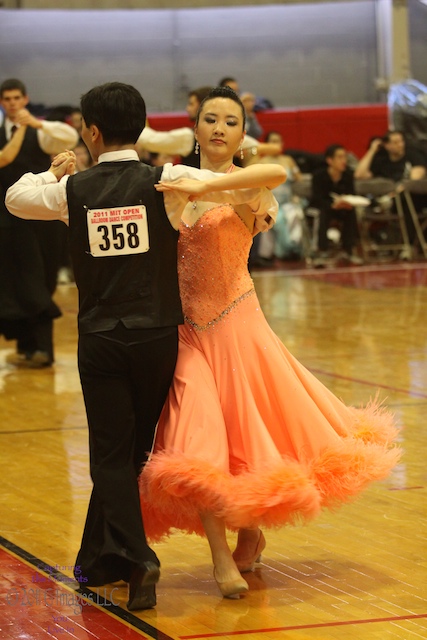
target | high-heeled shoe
x=232, y=588
x=245, y=558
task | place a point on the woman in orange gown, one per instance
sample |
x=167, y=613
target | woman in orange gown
x=248, y=436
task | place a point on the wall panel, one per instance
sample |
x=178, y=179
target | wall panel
x=295, y=54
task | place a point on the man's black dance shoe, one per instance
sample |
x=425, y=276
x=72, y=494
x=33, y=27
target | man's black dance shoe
x=142, y=591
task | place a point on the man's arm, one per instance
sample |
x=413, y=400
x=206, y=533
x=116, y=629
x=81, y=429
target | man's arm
x=177, y=142
x=53, y=137
x=363, y=169
x=418, y=162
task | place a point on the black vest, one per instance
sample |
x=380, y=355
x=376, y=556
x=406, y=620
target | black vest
x=140, y=290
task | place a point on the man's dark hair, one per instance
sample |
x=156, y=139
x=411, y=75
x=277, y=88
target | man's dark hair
x=60, y=113
x=332, y=149
x=224, y=81
x=12, y=84
x=117, y=109
x=387, y=136
x=222, y=92
x=200, y=93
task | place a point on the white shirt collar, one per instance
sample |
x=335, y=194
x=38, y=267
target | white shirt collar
x=123, y=154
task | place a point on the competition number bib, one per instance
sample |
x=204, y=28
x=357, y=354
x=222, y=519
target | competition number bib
x=118, y=232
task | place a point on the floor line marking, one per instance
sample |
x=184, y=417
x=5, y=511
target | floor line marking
x=3, y=433
x=318, y=625
x=63, y=580
x=417, y=394
x=318, y=273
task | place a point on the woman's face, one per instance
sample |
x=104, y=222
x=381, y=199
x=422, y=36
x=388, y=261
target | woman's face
x=219, y=130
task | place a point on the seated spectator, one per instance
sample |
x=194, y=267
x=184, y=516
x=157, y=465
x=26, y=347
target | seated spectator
x=335, y=178
x=307, y=161
x=390, y=157
x=253, y=127
x=284, y=240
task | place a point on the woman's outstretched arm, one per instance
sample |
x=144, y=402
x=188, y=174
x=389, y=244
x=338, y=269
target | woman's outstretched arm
x=253, y=177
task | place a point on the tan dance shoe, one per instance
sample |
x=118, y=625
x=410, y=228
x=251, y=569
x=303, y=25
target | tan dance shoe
x=232, y=588
x=245, y=557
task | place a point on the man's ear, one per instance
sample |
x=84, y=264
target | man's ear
x=95, y=134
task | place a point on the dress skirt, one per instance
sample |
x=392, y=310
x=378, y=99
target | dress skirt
x=250, y=434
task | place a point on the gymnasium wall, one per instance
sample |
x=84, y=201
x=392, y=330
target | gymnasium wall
x=309, y=129
x=316, y=62
x=295, y=55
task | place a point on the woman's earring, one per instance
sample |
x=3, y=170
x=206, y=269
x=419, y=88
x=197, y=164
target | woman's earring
x=242, y=155
x=196, y=149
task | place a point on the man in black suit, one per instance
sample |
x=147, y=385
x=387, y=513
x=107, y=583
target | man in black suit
x=29, y=258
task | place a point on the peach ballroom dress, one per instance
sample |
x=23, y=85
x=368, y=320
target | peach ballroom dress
x=247, y=431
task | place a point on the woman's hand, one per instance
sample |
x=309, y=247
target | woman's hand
x=62, y=164
x=193, y=188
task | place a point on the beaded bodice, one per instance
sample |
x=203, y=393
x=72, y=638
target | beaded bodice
x=212, y=265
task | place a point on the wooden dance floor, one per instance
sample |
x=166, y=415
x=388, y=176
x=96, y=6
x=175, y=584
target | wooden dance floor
x=359, y=573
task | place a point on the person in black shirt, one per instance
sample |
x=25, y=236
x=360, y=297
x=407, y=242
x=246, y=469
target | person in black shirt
x=390, y=157
x=335, y=178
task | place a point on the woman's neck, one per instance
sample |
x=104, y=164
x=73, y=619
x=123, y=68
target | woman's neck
x=221, y=166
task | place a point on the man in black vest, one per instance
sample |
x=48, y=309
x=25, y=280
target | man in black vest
x=28, y=261
x=124, y=254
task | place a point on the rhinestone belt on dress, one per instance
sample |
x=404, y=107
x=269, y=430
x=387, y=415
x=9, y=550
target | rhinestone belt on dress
x=211, y=323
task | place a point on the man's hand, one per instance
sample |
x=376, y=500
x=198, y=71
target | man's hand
x=24, y=117
x=375, y=145
x=62, y=164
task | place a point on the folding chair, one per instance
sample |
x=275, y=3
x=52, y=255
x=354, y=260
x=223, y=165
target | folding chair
x=302, y=188
x=419, y=218
x=377, y=188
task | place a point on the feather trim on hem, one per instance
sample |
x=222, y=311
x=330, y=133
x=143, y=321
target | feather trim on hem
x=175, y=489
